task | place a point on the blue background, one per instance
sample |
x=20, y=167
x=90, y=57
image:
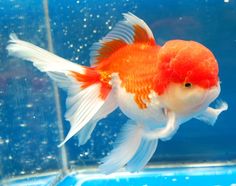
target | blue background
x=28, y=123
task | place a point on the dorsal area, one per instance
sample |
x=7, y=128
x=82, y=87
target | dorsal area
x=131, y=30
x=129, y=50
x=136, y=66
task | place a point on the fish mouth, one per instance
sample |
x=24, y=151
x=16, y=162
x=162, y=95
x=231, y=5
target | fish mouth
x=209, y=96
x=202, y=101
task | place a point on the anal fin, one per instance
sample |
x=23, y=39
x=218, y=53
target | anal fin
x=89, y=104
x=109, y=106
x=143, y=155
x=126, y=146
x=81, y=111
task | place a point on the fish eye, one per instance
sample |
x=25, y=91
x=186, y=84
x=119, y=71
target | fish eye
x=188, y=85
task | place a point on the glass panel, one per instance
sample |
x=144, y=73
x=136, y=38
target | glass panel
x=28, y=123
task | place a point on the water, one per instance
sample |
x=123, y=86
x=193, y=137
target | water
x=30, y=126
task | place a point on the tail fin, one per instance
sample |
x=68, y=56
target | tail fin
x=86, y=93
x=42, y=59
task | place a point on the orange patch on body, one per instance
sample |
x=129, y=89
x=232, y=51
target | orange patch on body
x=136, y=65
x=92, y=76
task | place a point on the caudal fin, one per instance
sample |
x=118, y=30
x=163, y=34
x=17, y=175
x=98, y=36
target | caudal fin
x=86, y=93
x=45, y=61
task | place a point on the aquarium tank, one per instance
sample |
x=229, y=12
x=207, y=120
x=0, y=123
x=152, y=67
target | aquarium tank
x=32, y=107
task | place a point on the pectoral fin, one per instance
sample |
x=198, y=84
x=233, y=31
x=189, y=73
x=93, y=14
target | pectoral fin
x=210, y=115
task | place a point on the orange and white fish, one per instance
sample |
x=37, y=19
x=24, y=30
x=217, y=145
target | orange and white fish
x=157, y=87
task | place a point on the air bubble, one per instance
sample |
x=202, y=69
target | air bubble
x=174, y=179
x=49, y=157
x=38, y=168
x=29, y=105
x=1, y=142
x=23, y=125
x=44, y=142
x=22, y=172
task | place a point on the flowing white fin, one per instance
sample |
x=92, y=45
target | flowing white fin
x=210, y=115
x=143, y=155
x=126, y=146
x=85, y=133
x=80, y=112
x=42, y=59
x=109, y=106
x=83, y=103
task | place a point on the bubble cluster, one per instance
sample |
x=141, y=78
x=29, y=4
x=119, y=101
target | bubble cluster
x=27, y=104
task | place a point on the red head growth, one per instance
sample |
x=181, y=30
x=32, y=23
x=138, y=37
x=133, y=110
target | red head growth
x=186, y=61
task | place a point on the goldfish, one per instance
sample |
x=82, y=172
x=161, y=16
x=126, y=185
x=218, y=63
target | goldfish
x=157, y=87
